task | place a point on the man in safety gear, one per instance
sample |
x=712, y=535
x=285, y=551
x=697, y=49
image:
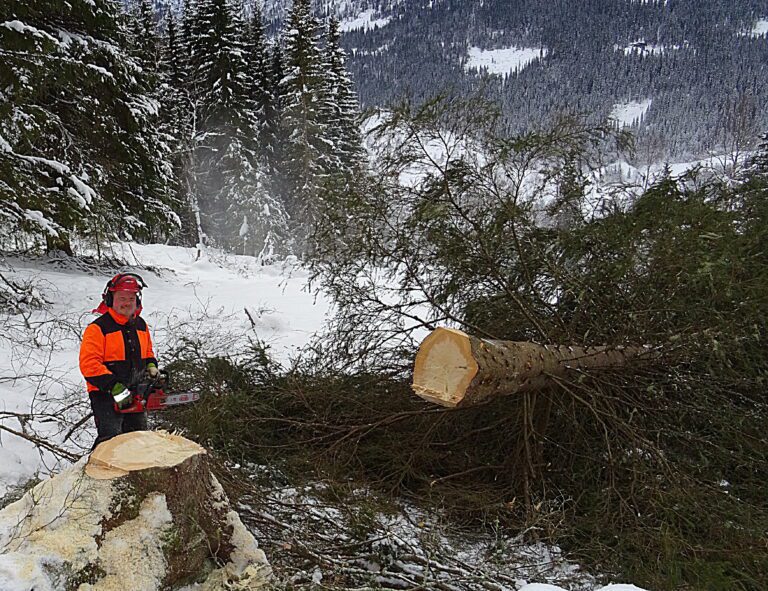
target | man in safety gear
x=115, y=355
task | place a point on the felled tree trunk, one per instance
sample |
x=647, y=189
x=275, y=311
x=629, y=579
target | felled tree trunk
x=455, y=369
x=143, y=513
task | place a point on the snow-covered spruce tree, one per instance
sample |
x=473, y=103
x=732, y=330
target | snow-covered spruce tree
x=340, y=108
x=79, y=153
x=226, y=170
x=260, y=219
x=178, y=124
x=172, y=68
x=257, y=67
x=186, y=32
x=144, y=36
x=256, y=222
x=272, y=141
x=219, y=92
x=218, y=66
x=301, y=120
x=343, y=161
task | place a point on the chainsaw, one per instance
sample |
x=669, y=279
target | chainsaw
x=150, y=396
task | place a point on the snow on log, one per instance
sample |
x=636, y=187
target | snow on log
x=144, y=512
x=455, y=369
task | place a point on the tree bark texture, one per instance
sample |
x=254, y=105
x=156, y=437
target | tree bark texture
x=455, y=369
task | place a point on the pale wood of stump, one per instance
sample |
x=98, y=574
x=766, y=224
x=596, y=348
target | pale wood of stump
x=139, y=450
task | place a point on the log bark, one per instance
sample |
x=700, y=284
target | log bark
x=143, y=512
x=455, y=369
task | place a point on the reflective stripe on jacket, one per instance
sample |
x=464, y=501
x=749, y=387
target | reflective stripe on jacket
x=115, y=350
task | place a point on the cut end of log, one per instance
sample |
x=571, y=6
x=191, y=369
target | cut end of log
x=139, y=450
x=444, y=367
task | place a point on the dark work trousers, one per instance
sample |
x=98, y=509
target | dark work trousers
x=109, y=422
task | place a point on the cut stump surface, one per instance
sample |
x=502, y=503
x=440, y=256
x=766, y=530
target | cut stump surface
x=139, y=450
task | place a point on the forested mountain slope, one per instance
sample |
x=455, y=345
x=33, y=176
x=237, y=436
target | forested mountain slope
x=696, y=69
x=701, y=64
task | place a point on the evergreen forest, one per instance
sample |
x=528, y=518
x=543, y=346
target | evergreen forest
x=126, y=123
x=695, y=60
x=491, y=205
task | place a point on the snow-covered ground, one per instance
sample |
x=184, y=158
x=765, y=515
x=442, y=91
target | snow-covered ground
x=630, y=113
x=502, y=61
x=364, y=21
x=547, y=587
x=403, y=547
x=204, y=299
x=643, y=48
x=759, y=29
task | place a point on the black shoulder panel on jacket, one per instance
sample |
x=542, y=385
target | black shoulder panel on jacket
x=107, y=324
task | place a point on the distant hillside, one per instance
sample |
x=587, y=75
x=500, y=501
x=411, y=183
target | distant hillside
x=697, y=66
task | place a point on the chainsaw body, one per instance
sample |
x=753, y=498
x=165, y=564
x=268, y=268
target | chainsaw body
x=150, y=396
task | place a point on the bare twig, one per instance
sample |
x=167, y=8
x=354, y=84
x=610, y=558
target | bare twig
x=56, y=450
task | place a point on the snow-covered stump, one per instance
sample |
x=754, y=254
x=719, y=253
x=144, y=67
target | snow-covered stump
x=144, y=512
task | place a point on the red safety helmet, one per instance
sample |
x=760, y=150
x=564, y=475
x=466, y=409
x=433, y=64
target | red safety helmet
x=125, y=282
x=130, y=282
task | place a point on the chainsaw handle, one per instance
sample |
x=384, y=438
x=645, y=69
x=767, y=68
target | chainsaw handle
x=138, y=405
x=141, y=394
x=161, y=380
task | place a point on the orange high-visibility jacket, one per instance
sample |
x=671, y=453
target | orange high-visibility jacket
x=115, y=350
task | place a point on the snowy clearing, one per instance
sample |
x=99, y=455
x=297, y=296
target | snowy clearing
x=630, y=113
x=760, y=29
x=364, y=21
x=205, y=298
x=645, y=49
x=502, y=61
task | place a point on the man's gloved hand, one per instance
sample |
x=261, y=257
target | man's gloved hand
x=122, y=396
x=158, y=376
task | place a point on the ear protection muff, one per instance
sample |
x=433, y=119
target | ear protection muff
x=107, y=296
x=109, y=299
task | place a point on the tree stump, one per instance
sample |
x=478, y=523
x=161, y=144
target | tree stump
x=144, y=512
